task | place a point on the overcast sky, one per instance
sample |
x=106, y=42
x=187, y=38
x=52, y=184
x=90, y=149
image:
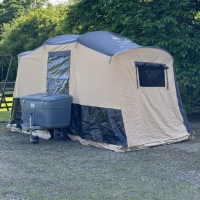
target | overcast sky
x=57, y=1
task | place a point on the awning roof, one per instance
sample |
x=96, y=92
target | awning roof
x=62, y=39
x=104, y=42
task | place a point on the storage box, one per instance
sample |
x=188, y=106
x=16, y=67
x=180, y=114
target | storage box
x=49, y=110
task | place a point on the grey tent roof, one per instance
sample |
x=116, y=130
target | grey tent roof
x=24, y=53
x=62, y=39
x=102, y=41
x=106, y=42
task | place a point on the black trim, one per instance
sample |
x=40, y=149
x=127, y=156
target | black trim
x=98, y=124
x=60, y=53
x=182, y=110
x=140, y=64
x=16, y=113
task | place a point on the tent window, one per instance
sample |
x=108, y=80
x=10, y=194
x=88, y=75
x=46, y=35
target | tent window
x=58, y=71
x=151, y=74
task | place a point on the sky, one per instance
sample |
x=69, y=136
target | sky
x=57, y=1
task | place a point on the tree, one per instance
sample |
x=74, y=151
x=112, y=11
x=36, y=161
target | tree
x=111, y=15
x=9, y=9
x=166, y=24
x=27, y=32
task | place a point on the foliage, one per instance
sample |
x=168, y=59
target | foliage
x=29, y=31
x=10, y=9
x=166, y=24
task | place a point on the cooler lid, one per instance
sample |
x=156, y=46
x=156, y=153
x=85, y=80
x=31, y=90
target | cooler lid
x=45, y=97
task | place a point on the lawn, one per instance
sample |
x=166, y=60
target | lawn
x=57, y=170
x=4, y=116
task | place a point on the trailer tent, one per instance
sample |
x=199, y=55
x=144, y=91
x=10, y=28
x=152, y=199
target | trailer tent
x=125, y=96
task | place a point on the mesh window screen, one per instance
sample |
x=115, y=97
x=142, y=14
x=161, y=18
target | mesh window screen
x=151, y=75
x=58, y=72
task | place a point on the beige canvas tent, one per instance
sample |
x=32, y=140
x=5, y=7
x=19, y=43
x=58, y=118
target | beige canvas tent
x=125, y=96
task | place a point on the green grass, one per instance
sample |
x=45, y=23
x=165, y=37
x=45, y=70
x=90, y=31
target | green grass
x=4, y=116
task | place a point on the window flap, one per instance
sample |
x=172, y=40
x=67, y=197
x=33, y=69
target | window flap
x=59, y=53
x=139, y=64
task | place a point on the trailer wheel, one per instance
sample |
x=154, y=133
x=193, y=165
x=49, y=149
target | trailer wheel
x=35, y=139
